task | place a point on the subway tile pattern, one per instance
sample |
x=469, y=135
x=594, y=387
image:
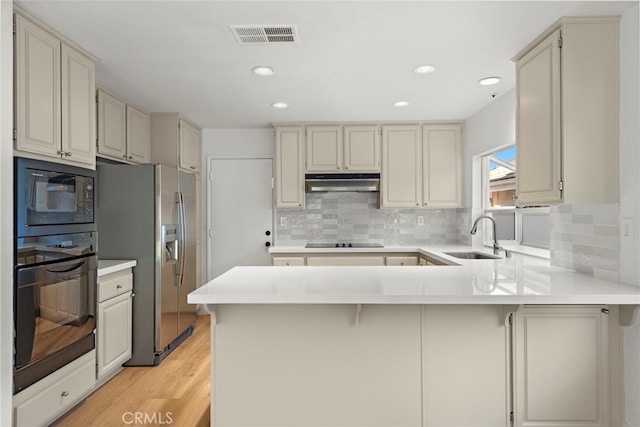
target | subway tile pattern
x=355, y=217
x=585, y=238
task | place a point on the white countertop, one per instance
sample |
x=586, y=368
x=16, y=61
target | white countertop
x=108, y=266
x=520, y=279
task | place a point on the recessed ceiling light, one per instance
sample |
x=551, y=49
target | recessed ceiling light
x=263, y=70
x=401, y=103
x=279, y=105
x=488, y=81
x=424, y=69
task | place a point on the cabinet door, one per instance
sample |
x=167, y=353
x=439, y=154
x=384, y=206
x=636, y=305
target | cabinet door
x=287, y=261
x=361, y=148
x=112, y=124
x=189, y=146
x=37, y=79
x=344, y=260
x=401, y=166
x=401, y=260
x=196, y=150
x=561, y=365
x=138, y=142
x=442, y=169
x=78, y=107
x=538, y=124
x=289, y=168
x=324, y=149
x=114, y=333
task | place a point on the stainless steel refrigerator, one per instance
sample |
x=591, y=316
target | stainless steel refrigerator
x=148, y=213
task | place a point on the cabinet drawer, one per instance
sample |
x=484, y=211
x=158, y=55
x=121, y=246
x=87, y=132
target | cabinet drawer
x=48, y=402
x=345, y=260
x=288, y=261
x=114, y=284
x=402, y=260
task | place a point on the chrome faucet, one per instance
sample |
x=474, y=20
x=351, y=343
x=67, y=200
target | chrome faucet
x=496, y=246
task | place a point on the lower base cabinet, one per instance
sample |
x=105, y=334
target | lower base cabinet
x=114, y=328
x=561, y=370
x=49, y=398
x=416, y=365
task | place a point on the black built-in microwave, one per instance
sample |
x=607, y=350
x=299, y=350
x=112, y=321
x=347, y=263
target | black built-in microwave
x=52, y=198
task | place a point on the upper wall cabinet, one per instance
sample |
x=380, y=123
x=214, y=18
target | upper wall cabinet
x=342, y=149
x=123, y=130
x=361, y=148
x=55, y=97
x=401, y=166
x=190, y=146
x=441, y=166
x=289, y=182
x=567, y=84
x=421, y=166
x=177, y=141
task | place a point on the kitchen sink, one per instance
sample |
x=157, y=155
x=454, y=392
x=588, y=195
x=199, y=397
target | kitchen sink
x=472, y=255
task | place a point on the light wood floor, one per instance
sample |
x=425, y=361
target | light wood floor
x=180, y=385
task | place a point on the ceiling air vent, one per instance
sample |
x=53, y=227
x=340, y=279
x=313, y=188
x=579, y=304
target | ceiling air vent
x=252, y=34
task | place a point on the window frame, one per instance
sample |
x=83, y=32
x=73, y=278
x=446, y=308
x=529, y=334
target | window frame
x=518, y=211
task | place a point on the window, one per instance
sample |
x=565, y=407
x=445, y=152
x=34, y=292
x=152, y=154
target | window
x=525, y=226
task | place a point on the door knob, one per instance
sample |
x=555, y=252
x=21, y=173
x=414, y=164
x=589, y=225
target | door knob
x=267, y=244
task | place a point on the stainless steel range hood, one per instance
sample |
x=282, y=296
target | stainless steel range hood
x=325, y=182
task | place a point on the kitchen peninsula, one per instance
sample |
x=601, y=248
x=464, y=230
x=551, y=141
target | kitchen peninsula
x=474, y=343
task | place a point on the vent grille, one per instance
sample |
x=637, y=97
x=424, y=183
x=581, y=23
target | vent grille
x=252, y=34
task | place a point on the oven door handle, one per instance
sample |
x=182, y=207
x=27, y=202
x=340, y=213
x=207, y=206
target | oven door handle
x=66, y=270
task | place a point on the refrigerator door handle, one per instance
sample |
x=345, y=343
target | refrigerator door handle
x=182, y=217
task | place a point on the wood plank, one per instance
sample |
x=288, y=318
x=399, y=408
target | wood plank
x=176, y=392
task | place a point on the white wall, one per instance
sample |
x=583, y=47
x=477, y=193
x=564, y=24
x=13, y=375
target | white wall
x=229, y=143
x=6, y=213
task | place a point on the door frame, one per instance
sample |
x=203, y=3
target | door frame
x=210, y=159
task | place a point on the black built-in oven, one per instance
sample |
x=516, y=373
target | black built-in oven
x=55, y=268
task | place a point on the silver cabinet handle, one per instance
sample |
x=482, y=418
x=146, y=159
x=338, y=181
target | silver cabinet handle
x=68, y=153
x=118, y=286
x=64, y=393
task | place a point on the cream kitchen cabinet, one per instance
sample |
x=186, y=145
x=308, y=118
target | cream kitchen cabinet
x=114, y=329
x=324, y=149
x=289, y=180
x=123, y=130
x=176, y=140
x=561, y=366
x=48, y=399
x=567, y=114
x=55, y=111
x=401, y=260
x=190, y=146
x=421, y=166
x=345, y=260
x=442, y=166
x=287, y=261
x=342, y=149
x=401, y=176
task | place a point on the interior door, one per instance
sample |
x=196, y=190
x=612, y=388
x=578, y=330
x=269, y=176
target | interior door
x=240, y=213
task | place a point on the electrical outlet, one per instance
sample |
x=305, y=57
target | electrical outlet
x=283, y=221
x=420, y=220
x=627, y=228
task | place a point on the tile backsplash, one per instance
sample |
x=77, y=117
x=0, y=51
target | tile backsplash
x=585, y=238
x=355, y=217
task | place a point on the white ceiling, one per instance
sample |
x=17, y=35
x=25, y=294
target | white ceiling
x=353, y=60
